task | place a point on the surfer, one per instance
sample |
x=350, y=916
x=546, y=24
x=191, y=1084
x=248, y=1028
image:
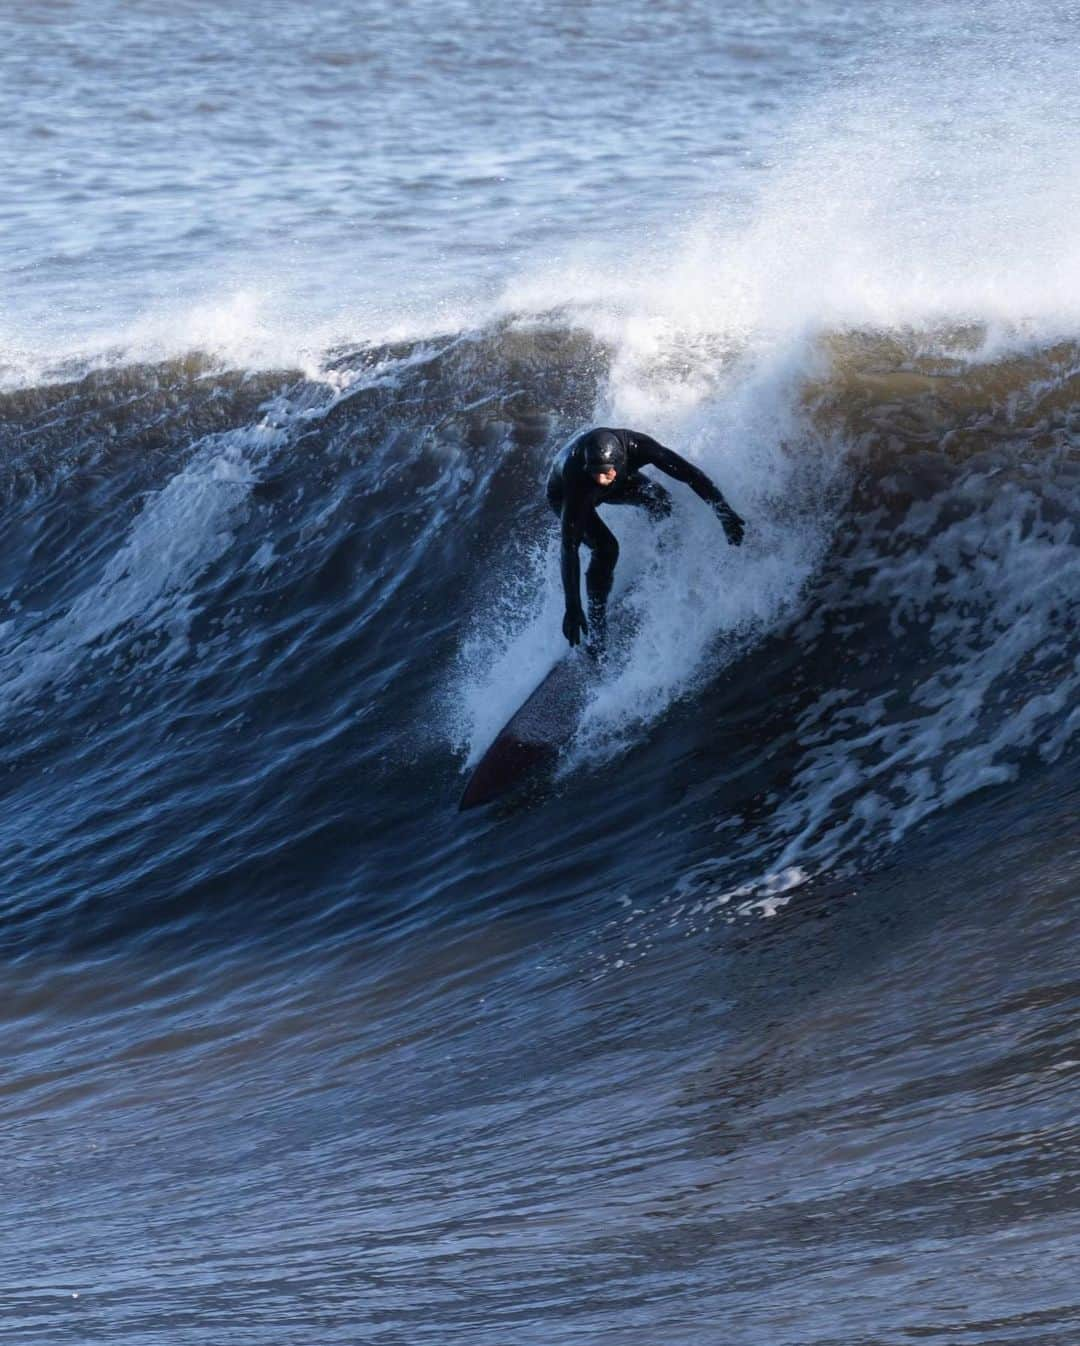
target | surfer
x=603, y=467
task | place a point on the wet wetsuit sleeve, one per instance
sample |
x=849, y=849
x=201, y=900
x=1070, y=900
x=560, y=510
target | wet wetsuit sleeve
x=645, y=450
x=667, y=460
x=572, y=533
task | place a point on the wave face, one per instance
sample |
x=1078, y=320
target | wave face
x=266, y=616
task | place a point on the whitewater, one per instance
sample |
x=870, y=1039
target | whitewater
x=755, y=1023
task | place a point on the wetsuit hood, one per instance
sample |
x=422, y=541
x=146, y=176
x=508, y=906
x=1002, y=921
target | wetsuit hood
x=604, y=449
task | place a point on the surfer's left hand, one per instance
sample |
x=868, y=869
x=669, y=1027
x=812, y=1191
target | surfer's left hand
x=734, y=527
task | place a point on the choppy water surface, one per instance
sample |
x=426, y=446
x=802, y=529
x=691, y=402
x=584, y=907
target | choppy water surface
x=758, y=1025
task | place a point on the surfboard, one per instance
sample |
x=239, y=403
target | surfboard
x=528, y=745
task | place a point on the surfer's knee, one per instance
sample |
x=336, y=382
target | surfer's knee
x=658, y=502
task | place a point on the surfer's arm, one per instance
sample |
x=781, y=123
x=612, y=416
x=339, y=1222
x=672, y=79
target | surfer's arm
x=574, y=623
x=648, y=451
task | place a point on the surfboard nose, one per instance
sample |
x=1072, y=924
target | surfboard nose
x=530, y=742
x=507, y=764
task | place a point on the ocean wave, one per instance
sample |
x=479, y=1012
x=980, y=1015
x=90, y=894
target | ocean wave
x=364, y=561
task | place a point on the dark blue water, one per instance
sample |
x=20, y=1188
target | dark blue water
x=755, y=1022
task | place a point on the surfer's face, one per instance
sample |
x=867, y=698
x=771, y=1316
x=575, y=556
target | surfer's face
x=604, y=477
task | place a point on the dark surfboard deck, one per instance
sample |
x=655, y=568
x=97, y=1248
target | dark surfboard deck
x=528, y=746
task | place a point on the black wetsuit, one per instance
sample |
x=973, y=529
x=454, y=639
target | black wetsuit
x=574, y=495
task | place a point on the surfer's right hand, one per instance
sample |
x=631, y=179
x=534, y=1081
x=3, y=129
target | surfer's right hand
x=574, y=625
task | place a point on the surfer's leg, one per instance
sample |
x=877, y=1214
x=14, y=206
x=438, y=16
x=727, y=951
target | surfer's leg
x=651, y=496
x=646, y=494
x=600, y=576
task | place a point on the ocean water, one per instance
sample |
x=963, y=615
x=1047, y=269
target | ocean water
x=756, y=1024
